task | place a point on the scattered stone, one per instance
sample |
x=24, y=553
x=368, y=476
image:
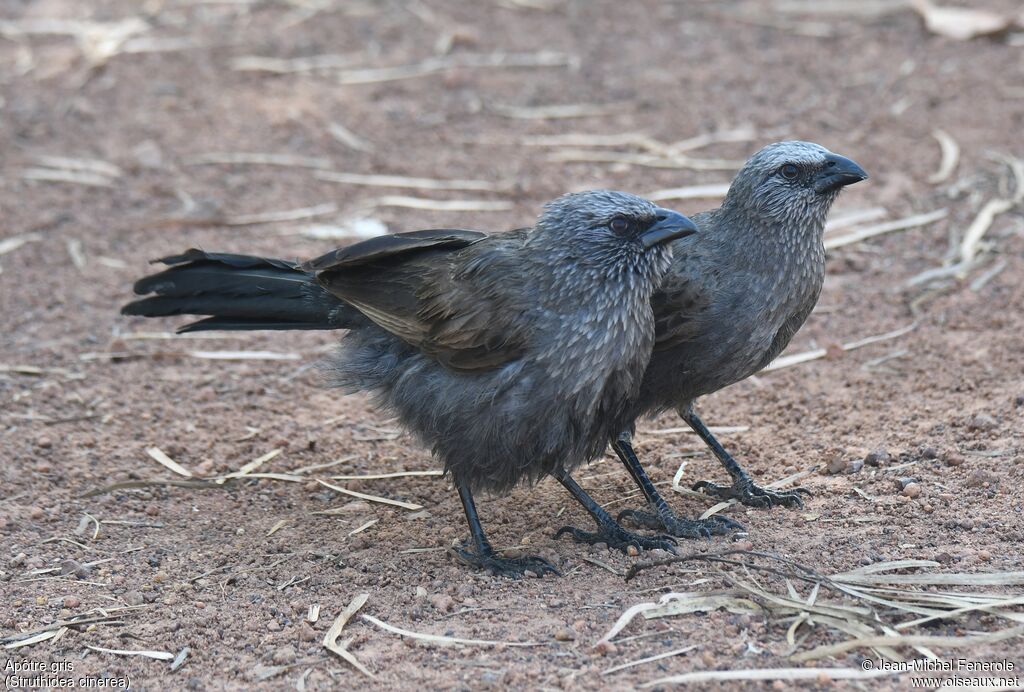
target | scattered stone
x=984, y=555
x=36, y=513
x=952, y=457
x=565, y=635
x=981, y=478
x=152, y=510
x=286, y=654
x=929, y=452
x=72, y=601
x=44, y=442
x=18, y=560
x=632, y=550
x=306, y=633
x=443, y=603
x=605, y=648
x=877, y=457
x=43, y=466
x=854, y=465
x=904, y=481
x=199, y=604
x=274, y=626
x=160, y=577
x=912, y=489
x=134, y=598
x=421, y=593
x=981, y=422
x=743, y=545
x=74, y=567
x=40, y=600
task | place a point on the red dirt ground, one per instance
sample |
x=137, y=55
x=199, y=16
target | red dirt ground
x=864, y=79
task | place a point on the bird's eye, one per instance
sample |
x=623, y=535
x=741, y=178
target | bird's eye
x=789, y=171
x=619, y=225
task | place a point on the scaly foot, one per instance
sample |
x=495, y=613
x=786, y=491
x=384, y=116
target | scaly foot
x=614, y=536
x=752, y=495
x=715, y=525
x=511, y=567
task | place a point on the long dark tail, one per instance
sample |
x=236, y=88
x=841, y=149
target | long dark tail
x=239, y=292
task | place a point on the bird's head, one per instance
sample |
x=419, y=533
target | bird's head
x=608, y=227
x=791, y=182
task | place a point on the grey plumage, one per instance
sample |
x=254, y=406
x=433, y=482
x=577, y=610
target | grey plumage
x=512, y=356
x=735, y=295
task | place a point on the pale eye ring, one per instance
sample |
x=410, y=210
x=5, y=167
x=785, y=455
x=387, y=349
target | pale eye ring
x=789, y=171
x=619, y=225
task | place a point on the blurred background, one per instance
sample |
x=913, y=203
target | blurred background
x=134, y=129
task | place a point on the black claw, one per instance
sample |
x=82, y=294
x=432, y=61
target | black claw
x=513, y=568
x=715, y=525
x=616, y=537
x=752, y=495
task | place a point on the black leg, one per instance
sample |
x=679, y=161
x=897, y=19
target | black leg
x=483, y=556
x=663, y=519
x=609, y=531
x=743, y=487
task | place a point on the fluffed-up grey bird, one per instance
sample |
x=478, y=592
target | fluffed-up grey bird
x=737, y=292
x=512, y=356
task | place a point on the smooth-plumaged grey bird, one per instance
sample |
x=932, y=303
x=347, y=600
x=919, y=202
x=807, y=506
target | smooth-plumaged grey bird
x=736, y=294
x=512, y=356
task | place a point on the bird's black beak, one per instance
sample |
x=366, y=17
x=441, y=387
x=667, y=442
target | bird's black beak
x=838, y=172
x=669, y=225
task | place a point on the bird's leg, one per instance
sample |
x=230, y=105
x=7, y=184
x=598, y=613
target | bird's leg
x=743, y=487
x=663, y=518
x=609, y=531
x=483, y=556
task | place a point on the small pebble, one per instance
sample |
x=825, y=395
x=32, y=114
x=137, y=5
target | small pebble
x=565, y=635
x=36, y=513
x=877, y=457
x=904, y=481
x=44, y=442
x=72, y=602
x=134, y=598
x=274, y=626
x=443, y=603
x=421, y=593
x=912, y=489
x=929, y=452
x=984, y=555
x=952, y=458
x=605, y=648
x=743, y=545
x=632, y=551
x=982, y=422
x=200, y=605
x=160, y=577
x=152, y=510
x=981, y=478
x=40, y=600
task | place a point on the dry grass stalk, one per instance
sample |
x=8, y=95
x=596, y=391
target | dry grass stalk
x=806, y=356
x=950, y=157
x=711, y=191
x=402, y=181
x=368, y=498
x=649, y=659
x=160, y=457
x=14, y=242
x=446, y=205
x=159, y=655
x=330, y=641
x=860, y=234
x=348, y=138
x=259, y=159
x=282, y=216
x=853, y=217
x=560, y=111
x=994, y=207
x=312, y=63
x=436, y=65
x=647, y=160
x=765, y=674
x=438, y=639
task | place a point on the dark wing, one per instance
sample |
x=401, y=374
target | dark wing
x=685, y=293
x=450, y=293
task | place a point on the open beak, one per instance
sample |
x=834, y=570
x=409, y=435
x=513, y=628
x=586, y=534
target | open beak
x=669, y=226
x=838, y=172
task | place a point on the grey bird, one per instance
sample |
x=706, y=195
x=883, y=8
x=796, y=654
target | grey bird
x=736, y=294
x=512, y=356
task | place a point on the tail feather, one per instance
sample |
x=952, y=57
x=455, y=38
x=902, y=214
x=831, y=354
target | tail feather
x=239, y=292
